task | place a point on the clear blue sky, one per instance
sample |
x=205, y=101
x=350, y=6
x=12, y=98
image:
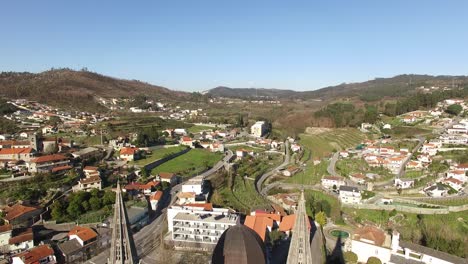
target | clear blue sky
x=195, y=45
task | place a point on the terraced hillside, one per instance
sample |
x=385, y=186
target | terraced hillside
x=323, y=142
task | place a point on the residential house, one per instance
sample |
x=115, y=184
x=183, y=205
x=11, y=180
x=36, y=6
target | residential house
x=414, y=165
x=155, y=198
x=457, y=185
x=169, y=177
x=88, y=183
x=295, y=147
x=370, y=241
x=430, y=149
x=16, y=154
x=387, y=126
x=198, y=186
x=5, y=235
x=187, y=198
x=43, y=254
x=21, y=239
x=261, y=224
x=290, y=171
x=457, y=174
x=349, y=195
x=45, y=164
x=436, y=190
x=404, y=183
x=129, y=153
x=135, y=188
x=187, y=141
x=20, y=215
x=332, y=182
x=463, y=167
x=217, y=147
x=409, y=119
x=358, y=178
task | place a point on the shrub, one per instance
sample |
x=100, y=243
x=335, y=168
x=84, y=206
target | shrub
x=350, y=257
x=374, y=260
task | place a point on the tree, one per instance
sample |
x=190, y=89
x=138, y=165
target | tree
x=321, y=218
x=350, y=257
x=95, y=203
x=108, y=198
x=454, y=109
x=373, y=260
x=58, y=210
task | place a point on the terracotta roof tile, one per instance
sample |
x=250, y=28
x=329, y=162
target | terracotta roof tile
x=36, y=254
x=48, y=158
x=18, y=210
x=370, y=233
x=84, y=233
x=27, y=235
x=13, y=151
x=156, y=196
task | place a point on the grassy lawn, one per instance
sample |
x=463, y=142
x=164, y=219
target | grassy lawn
x=157, y=155
x=408, y=131
x=89, y=140
x=311, y=176
x=326, y=143
x=412, y=174
x=198, y=129
x=191, y=163
x=318, y=196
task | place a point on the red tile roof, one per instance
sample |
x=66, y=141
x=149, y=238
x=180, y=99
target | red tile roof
x=5, y=228
x=84, y=233
x=90, y=168
x=370, y=233
x=27, y=235
x=258, y=224
x=61, y=168
x=166, y=175
x=128, y=151
x=14, y=151
x=206, y=206
x=91, y=179
x=49, y=158
x=287, y=223
x=156, y=196
x=187, y=139
x=34, y=255
x=18, y=210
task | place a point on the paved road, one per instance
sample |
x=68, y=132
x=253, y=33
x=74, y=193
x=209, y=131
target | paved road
x=401, y=171
x=265, y=176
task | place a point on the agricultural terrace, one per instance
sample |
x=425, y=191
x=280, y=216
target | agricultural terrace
x=346, y=167
x=191, y=163
x=157, y=154
x=323, y=142
x=237, y=190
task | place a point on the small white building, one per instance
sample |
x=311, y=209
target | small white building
x=404, y=183
x=330, y=181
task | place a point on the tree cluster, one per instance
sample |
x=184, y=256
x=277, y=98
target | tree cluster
x=81, y=202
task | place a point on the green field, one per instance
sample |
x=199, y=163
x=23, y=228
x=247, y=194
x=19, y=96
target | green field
x=157, y=154
x=198, y=129
x=345, y=167
x=311, y=175
x=324, y=144
x=191, y=163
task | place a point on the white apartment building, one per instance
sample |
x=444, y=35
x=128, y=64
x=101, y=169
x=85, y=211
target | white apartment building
x=198, y=225
x=258, y=129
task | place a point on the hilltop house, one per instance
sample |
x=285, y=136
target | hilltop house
x=129, y=153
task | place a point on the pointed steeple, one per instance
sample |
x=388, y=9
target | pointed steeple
x=299, y=249
x=123, y=249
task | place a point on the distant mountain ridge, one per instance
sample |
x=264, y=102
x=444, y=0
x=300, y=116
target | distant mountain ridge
x=77, y=89
x=396, y=86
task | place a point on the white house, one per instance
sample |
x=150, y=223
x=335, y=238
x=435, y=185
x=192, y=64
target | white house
x=154, y=199
x=436, y=190
x=331, y=181
x=387, y=126
x=404, y=183
x=454, y=183
x=43, y=254
x=350, y=195
x=457, y=174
